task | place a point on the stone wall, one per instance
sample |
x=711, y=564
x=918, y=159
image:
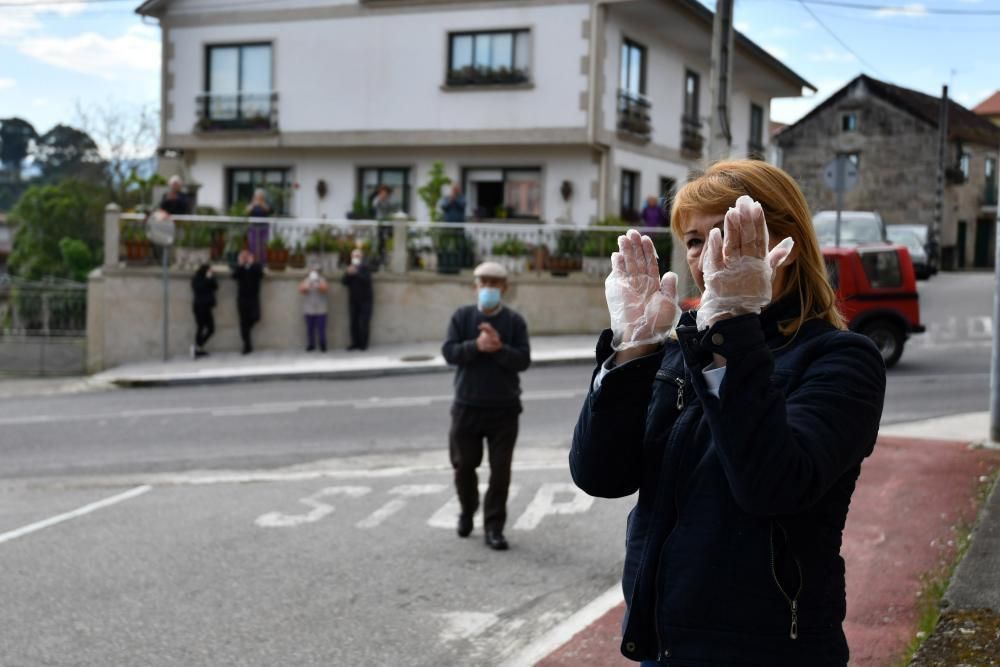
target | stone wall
x=125, y=321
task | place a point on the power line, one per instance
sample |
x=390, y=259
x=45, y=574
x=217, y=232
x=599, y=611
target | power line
x=915, y=10
x=839, y=40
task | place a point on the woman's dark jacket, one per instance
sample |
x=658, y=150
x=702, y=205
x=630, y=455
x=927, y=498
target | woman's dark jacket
x=737, y=494
x=203, y=288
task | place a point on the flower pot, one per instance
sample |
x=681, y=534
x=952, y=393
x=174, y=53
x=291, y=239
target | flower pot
x=297, y=260
x=277, y=259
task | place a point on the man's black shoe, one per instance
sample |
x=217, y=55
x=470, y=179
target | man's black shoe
x=496, y=541
x=464, y=525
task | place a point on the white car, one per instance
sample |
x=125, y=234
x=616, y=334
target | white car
x=856, y=228
x=905, y=236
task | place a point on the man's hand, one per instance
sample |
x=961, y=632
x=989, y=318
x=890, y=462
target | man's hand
x=488, y=340
x=351, y=269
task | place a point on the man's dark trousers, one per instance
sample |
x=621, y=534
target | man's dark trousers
x=249, y=312
x=469, y=426
x=361, y=317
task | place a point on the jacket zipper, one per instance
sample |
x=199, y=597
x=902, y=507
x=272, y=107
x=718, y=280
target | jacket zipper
x=793, y=602
x=680, y=382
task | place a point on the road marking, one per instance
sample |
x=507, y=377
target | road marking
x=400, y=402
x=544, y=504
x=318, y=511
x=980, y=327
x=80, y=511
x=446, y=516
x=255, y=410
x=564, y=631
x=461, y=625
x=396, y=504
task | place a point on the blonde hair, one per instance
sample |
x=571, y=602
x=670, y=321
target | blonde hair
x=787, y=214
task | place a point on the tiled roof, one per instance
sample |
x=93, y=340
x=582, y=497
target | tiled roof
x=990, y=106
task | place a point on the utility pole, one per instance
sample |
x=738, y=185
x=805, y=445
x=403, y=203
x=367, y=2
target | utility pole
x=938, y=224
x=720, y=137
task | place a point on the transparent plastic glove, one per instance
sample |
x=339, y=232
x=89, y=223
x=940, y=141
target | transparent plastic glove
x=643, y=306
x=737, y=267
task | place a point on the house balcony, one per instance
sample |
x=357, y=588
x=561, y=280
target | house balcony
x=692, y=141
x=255, y=112
x=633, y=115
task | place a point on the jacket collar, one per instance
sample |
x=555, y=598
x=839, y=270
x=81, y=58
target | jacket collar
x=787, y=308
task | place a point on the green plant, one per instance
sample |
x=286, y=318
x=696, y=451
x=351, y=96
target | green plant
x=236, y=239
x=511, y=247
x=359, y=209
x=568, y=244
x=430, y=192
x=77, y=258
x=276, y=242
x=238, y=209
x=297, y=250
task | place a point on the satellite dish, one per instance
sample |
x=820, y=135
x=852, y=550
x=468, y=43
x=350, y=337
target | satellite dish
x=160, y=228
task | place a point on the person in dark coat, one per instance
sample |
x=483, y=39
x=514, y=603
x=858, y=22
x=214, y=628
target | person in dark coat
x=743, y=428
x=175, y=201
x=358, y=280
x=203, y=287
x=248, y=275
x=488, y=342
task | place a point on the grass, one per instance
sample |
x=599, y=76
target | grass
x=935, y=582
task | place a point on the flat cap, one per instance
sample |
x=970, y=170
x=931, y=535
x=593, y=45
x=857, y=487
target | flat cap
x=490, y=270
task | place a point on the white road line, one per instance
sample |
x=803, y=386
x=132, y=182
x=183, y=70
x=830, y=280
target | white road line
x=562, y=633
x=86, y=509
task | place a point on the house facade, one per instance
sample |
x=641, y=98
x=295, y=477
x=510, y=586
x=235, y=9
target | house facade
x=551, y=110
x=891, y=134
x=989, y=108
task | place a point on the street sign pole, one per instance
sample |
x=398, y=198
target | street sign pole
x=995, y=354
x=840, y=194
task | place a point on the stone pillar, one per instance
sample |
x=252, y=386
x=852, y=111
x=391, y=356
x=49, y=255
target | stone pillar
x=112, y=218
x=397, y=263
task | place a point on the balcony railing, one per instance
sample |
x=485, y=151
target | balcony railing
x=692, y=142
x=237, y=111
x=633, y=114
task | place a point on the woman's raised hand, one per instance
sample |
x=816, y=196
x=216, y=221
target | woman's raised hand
x=737, y=267
x=643, y=306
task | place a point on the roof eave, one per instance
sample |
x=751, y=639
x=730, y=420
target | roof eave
x=783, y=70
x=151, y=8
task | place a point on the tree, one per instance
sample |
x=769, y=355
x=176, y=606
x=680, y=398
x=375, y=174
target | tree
x=430, y=192
x=66, y=152
x=16, y=136
x=45, y=217
x=77, y=258
x=125, y=136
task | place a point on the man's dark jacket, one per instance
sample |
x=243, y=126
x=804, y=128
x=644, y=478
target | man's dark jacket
x=248, y=279
x=742, y=498
x=487, y=379
x=203, y=288
x=359, y=286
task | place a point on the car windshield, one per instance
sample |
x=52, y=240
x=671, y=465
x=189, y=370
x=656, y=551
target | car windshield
x=907, y=238
x=854, y=229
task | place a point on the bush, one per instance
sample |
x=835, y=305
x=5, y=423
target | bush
x=47, y=214
x=511, y=247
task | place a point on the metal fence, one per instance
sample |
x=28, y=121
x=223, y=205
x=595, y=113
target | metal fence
x=43, y=327
x=400, y=245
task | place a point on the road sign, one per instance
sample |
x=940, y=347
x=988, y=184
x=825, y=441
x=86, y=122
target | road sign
x=850, y=175
x=160, y=228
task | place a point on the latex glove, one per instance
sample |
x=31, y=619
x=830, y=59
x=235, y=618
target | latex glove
x=643, y=306
x=737, y=267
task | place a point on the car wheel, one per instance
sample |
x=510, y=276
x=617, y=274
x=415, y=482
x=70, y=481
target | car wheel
x=888, y=338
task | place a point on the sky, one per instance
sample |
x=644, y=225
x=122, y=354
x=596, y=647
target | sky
x=56, y=54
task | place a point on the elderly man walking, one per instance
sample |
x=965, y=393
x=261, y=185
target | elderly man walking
x=488, y=342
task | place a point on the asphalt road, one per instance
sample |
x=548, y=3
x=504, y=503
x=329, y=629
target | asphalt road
x=310, y=523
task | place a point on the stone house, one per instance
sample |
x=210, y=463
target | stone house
x=891, y=134
x=547, y=110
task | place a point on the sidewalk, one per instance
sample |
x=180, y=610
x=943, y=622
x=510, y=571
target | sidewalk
x=285, y=365
x=912, y=494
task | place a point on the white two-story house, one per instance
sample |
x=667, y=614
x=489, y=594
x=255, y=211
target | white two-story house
x=553, y=110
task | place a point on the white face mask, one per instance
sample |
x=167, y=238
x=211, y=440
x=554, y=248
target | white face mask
x=356, y=261
x=313, y=276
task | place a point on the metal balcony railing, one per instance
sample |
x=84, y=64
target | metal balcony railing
x=237, y=111
x=633, y=114
x=692, y=142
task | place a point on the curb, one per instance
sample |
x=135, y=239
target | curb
x=400, y=368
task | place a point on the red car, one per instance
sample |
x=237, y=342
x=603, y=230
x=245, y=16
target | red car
x=876, y=292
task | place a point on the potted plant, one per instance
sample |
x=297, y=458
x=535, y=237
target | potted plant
x=598, y=246
x=297, y=259
x=568, y=254
x=322, y=250
x=277, y=253
x=235, y=242
x=454, y=250
x=511, y=254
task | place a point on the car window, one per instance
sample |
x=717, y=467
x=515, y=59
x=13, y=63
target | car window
x=853, y=230
x=907, y=238
x=882, y=268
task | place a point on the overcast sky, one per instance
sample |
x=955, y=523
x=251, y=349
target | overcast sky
x=52, y=56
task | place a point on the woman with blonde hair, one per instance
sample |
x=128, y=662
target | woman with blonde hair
x=742, y=426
